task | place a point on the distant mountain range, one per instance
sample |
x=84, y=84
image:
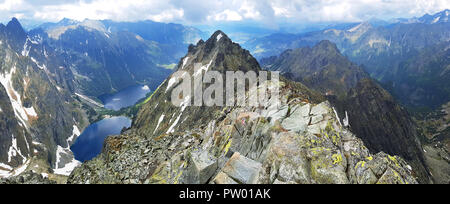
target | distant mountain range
x=440, y=17
x=381, y=50
x=123, y=53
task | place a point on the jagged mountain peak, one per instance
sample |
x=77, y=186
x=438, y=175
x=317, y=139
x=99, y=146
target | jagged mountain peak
x=67, y=21
x=322, y=68
x=14, y=26
x=14, y=22
x=219, y=53
x=327, y=46
x=439, y=17
x=220, y=36
x=217, y=40
x=16, y=35
x=363, y=26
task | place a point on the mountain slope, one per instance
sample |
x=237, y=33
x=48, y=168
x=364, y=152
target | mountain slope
x=423, y=79
x=384, y=125
x=321, y=67
x=39, y=118
x=385, y=52
x=214, y=54
x=440, y=17
x=50, y=74
x=103, y=61
x=299, y=140
x=173, y=38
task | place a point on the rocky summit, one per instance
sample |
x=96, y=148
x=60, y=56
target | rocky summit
x=294, y=142
x=299, y=139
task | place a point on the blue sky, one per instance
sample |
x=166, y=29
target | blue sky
x=211, y=12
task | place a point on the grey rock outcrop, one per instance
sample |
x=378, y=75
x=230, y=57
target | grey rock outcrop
x=27, y=178
x=246, y=147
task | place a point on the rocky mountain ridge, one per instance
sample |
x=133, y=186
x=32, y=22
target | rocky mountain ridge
x=299, y=140
x=367, y=109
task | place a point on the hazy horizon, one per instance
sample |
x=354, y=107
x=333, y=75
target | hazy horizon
x=266, y=14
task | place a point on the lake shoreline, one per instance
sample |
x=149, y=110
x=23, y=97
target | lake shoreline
x=118, y=111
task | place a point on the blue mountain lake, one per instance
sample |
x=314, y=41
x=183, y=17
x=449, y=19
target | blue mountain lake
x=90, y=143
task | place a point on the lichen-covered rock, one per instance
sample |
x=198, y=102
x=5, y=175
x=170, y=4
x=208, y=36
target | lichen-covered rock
x=299, y=119
x=203, y=166
x=223, y=178
x=246, y=147
x=242, y=170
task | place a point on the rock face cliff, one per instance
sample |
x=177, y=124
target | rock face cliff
x=298, y=140
x=50, y=76
x=39, y=117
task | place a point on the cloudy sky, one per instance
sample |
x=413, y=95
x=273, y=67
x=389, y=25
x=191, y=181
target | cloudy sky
x=195, y=12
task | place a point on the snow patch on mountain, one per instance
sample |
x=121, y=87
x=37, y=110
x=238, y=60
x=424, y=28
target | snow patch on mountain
x=172, y=81
x=346, y=121
x=75, y=133
x=436, y=20
x=31, y=112
x=26, y=48
x=185, y=60
x=203, y=68
x=8, y=172
x=337, y=117
x=59, y=150
x=219, y=37
x=5, y=166
x=19, y=110
x=14, y=150
x=355, y=28
x=43, y=67
x=159, y=122
x=67, y=168
x=184, y=105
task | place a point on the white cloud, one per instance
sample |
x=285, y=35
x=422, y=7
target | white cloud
x=249, y=10
x=10, y=4
x=226, y=15
x=110, y=9
x=216, y=11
